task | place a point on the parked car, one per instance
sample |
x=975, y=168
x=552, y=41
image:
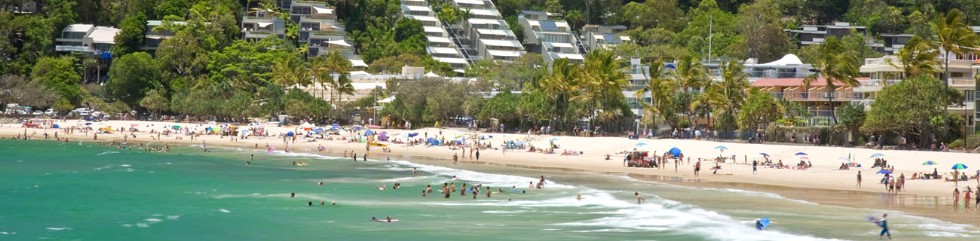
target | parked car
x=49, y=112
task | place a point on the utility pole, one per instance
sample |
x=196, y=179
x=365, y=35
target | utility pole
x=711, y=20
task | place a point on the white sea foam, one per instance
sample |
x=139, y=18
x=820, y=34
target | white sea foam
x=127, y=225
x=107, y=153
x=223, y=210
x=58, y=228
x=494, y=180
x=8, y=233
x=142, y=225
x=173, y=217
x=153, y=220
x=125, y=165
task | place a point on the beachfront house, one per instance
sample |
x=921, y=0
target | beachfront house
x=86, y=38
x=817, y=34
x=154, y=34
x=551, y=36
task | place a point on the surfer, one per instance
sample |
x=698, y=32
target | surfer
x=414, y=171
x=639, y=199
x=883, y=222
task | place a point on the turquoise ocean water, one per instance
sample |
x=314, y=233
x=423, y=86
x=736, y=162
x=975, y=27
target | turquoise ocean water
x=84, y=191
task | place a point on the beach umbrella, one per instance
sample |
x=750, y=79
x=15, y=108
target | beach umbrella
x=884, y=171
x=56, y=126
x=554, y=139
x=675, y=151
x=929, y=163
x=877, y=155
x=764, y=154
x=368, y=132
x=413, y=134
x=641, y=144
x=801, y=153
x=290, y=133
x=175, y=127
x=959, y=166
x=722, y=148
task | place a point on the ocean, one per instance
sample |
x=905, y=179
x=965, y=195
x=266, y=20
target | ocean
x=86, y=191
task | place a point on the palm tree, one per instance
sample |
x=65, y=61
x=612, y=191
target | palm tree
x=729, y=94
x=560, y=86
x=603, y=80
x=661, y=89
x=284, y=73
x=690, y=75
x=953, y=36
x=917, y=57
x=836, y=65
x=335, y=64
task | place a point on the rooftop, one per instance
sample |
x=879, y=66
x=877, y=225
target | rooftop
x=104, y=35
x=79, y=28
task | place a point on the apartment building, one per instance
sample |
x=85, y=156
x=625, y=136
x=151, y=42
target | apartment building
x=442, y=46
x=477, y=36
x=603, y=36
x=551, y=36
x=86, y=38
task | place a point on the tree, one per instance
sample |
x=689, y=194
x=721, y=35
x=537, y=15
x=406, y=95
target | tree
x=760, y=108
x=707, y=20
x=602, y=81
x=131, y=34
x=155, y=102
x=132, y=76
x=560, y=87
x=761, y=26
x=182, y=56
x=917, y=57
x=690, y=76
x=17, y=89
x=953, y=36
x=448, y=14
x=662, y=90
x=59, y=74
x=729, y=94
x=852, y=116
x=176, y=8
x=836, y=65
x=653, y=14
x=907, y=107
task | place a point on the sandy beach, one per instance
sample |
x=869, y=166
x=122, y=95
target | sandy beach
x=833, y=186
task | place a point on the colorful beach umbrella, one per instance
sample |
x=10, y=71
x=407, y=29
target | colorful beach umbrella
x=641, y=144
x=675, y=151
x=722, y=148
x=801, y=153
x=764, y=154
x=929, y=163
x=876, y=155
x=959, y=166
x=884, y=171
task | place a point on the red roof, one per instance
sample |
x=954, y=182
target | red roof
x=794, y=82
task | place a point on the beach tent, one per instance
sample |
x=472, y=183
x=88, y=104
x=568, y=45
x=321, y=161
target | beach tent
x=368, y=133
x=56, y=126
x=676, y=152
x=433, y=141
x=383, y=137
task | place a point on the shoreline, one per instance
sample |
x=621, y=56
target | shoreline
x=923, y=200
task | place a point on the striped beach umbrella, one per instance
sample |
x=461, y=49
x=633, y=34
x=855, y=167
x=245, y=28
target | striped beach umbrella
x=929, y=163
x=959, y=166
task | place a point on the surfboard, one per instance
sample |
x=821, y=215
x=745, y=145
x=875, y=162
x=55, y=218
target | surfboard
x=385, y=220
x=875, y=220
x=762, y=223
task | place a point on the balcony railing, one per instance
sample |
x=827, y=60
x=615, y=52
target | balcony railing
x=818, y=96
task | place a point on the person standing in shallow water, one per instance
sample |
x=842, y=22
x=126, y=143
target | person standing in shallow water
x=859, y=179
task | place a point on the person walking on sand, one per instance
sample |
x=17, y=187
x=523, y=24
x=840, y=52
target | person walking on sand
x=755, y=167
x=859, y=179
x=455, y=158
x=697, y=168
